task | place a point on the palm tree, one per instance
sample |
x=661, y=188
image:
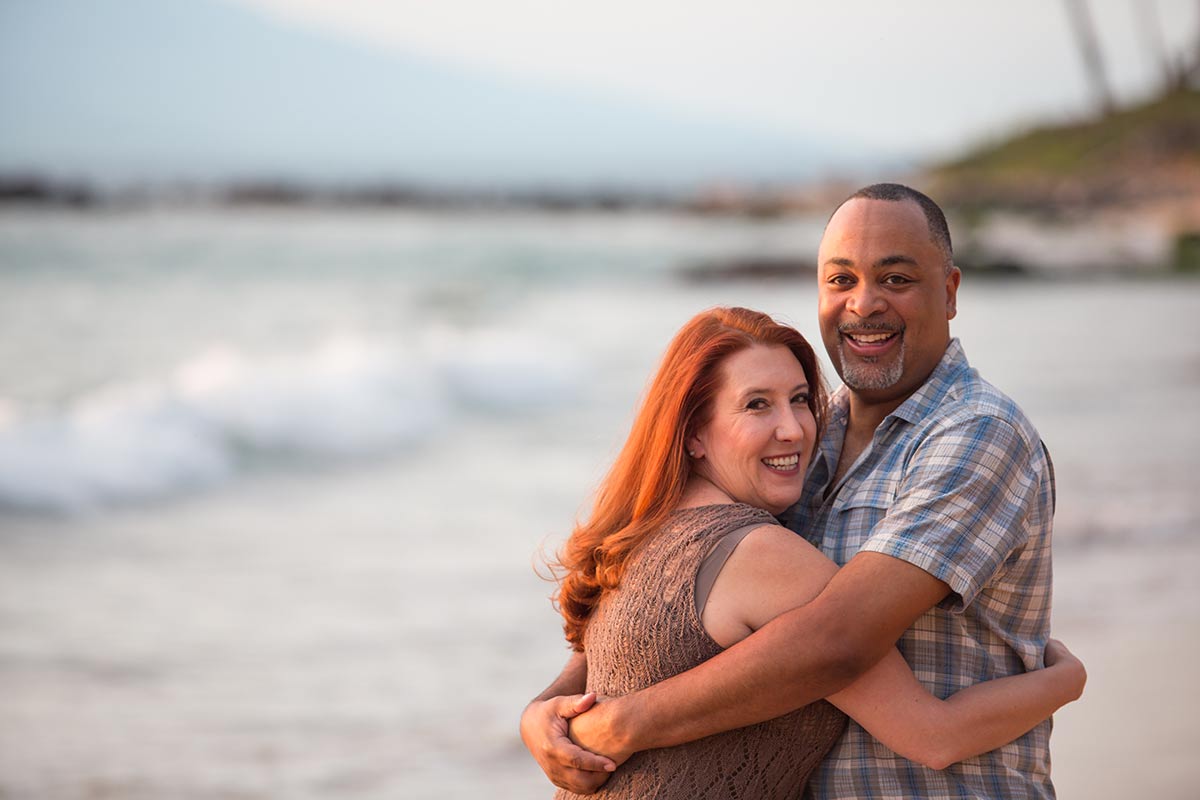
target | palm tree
x=1189, y=69
x=1146, y=13
x=1089, y=47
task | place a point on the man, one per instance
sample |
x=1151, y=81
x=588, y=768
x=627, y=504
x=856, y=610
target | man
x=932, y=490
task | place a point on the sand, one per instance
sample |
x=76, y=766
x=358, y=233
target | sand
x=1133, y=615
x=210, y=650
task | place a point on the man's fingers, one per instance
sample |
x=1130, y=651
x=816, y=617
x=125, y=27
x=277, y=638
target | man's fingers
x=591, y=762
x=544, y=729
x=579, y=781
x=569, y=754
x=582, y=703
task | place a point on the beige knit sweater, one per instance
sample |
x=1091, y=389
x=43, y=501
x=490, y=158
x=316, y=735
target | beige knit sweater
x=648, y=630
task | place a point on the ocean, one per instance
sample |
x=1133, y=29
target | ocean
x=276, y=484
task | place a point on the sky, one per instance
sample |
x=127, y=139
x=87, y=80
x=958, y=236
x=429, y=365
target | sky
x=505, y=92
x=919, y=77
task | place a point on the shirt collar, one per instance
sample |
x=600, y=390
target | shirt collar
x=837, y=409
x=918, y=406
x=930, y=394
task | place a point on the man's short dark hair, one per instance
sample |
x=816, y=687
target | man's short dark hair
x=939, y=231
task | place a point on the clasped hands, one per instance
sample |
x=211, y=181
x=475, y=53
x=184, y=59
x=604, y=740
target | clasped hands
x=566, y=742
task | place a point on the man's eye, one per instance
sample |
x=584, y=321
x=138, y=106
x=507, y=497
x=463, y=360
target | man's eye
x=896, y=280
x=841, y=280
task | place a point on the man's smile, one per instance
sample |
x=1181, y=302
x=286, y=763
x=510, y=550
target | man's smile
x=873, y=338
x=871, y=341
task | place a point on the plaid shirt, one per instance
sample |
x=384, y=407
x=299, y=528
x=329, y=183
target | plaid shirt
x=957, y=482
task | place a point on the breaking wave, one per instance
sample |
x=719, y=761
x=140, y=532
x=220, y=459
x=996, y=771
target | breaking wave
x=222, y=412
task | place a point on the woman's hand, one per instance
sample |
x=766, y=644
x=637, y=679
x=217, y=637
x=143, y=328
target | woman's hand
x=1058, y=657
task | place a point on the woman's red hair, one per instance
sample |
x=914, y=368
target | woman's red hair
x=647, y=480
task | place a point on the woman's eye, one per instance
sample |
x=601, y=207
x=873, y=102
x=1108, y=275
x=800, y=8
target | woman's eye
x=757, y=404
x=801, y=399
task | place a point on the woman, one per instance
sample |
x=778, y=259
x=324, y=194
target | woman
x=682, y=557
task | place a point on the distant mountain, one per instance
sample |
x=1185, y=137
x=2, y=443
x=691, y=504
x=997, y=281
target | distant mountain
x=200, y=89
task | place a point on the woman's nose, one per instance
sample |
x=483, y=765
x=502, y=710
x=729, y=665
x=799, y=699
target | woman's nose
x=789, y=429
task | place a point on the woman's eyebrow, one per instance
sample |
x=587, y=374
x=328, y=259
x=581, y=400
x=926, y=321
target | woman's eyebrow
x=797, y=388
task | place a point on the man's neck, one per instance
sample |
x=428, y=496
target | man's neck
x=866, y=410
x=864, y=416
x=862, y=419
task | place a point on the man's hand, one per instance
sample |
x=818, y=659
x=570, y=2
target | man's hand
x=544, y=729
x=597, y=732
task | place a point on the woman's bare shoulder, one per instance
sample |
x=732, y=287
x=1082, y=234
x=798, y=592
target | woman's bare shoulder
x=771, y=571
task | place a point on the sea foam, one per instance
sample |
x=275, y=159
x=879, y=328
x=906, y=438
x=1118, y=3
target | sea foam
x=222, y=411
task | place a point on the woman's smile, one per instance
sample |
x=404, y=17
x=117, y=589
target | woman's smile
x=784, y=465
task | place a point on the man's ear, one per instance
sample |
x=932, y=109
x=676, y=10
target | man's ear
x=953, y=279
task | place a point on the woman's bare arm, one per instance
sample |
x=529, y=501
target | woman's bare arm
x=897, y=710
x=773, y=571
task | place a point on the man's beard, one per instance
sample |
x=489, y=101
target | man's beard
x=858, y=373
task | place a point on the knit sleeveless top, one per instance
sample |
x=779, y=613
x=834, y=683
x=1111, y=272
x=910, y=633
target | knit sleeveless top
x=647, y=630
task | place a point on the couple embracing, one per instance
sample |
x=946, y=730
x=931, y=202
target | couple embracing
x=898, y=646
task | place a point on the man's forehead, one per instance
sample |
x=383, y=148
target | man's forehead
x=863, y=215
x=883, y=224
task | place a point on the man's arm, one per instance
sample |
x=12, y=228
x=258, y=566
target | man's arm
x=959, y=512
x=797, y=658
x=544, y=731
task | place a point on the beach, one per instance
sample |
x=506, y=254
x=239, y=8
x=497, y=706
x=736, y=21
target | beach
x=274, y=485
x=1133, y=616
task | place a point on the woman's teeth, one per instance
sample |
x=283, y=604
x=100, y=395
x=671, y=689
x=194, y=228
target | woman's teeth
x=783, y=462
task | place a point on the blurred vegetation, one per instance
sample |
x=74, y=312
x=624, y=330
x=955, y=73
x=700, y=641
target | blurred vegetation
x=1186, y=257
x=1167, y=127
x=1141, y=154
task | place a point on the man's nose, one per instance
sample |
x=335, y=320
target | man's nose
x=865, y=300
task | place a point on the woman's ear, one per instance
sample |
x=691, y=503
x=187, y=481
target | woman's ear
x=695, y=448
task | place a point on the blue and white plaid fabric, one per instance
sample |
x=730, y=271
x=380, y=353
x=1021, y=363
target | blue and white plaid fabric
x=957, y=482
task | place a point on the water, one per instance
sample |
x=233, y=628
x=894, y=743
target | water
x=151, y=354
x=272, y=483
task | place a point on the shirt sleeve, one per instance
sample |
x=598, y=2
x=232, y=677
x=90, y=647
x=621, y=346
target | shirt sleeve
x=962, y=506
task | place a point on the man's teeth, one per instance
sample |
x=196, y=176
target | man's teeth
x=870, y=338
x=783, y=462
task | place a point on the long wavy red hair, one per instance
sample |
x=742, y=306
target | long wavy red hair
x=647, y=480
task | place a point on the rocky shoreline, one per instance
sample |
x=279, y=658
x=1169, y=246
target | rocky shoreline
x=1117, y=195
